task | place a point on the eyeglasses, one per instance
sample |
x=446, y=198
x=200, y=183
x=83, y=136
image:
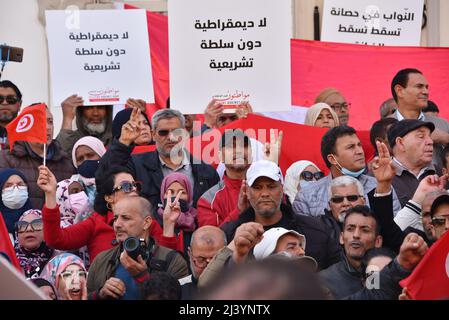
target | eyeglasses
x=309, y=176
x=9, y=99
x=36, y=225
x=350, y=198
x=127, y=186
x=439, y=221
x=227, y=118
x=71, y=274
x=200, y=262
x=339, y=106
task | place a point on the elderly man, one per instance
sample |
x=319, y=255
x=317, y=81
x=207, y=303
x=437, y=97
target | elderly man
x=114, y=274
x=337, y=101
x=151, y=167
x=90, y=121
x=265, y=194
x=342, y=152
x=387, y=108
x=204, y=245
x=410, y=90
x=10, y=103
x=412, y=149
x=28, y=156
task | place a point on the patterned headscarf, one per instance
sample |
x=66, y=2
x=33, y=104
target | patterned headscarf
x=57, y=265
x=68, y=216
x=32, y=262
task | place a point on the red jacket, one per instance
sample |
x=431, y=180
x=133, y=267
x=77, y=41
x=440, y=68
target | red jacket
x=96, y=232
x=219, y=204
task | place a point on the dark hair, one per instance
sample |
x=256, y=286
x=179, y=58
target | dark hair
x=377, y=252
x=123, y=117
x=379, y=130
x=401, y=78
x=329, y=140
x=9, y=84
x=162, y=286
x=364, y=211
x=105, y=184
x=444, y=155
x=431, y=107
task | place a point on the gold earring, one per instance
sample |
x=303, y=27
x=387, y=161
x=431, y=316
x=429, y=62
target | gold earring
x=109, y=206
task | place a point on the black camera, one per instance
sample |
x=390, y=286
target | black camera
x=11, y=53
x=135, y=247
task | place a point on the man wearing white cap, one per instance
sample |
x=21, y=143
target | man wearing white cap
x=265, y=195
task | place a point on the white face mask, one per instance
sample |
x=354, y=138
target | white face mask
x=79, y=202
x=15, y=197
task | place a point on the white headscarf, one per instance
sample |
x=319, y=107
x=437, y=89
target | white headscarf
x=292, y=177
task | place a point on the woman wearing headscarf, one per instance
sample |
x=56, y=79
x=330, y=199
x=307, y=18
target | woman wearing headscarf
x=67, y=273
x=86, y=154
x=321, y=115
x=73, y=202
x=298, y=175
x=173, y=185
x=31, y=250
x=14, y=201
x=144, y=123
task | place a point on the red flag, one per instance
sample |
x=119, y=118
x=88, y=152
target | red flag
x=30, y=125
x=430, y=279
x=6, y=245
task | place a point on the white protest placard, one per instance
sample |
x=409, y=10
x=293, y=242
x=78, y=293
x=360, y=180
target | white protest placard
x=373, y=22
x=101, y=55
x=233, y=51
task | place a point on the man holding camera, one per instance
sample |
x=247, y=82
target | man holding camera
x=121, y=272
x=10, y=102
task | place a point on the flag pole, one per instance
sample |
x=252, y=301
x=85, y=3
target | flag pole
x=45, y=154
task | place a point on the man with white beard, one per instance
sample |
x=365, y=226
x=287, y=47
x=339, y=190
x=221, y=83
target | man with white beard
x=93, y=121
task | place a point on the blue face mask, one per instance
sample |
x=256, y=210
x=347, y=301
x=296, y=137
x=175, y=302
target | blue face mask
x=304, y=183
x=88, y=168
x=347, y=172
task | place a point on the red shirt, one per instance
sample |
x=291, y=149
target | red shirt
x=96, y=232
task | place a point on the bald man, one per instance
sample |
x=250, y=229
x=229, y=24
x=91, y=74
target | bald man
x=204, y=245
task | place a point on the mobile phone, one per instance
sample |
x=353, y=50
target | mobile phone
x=15, y=53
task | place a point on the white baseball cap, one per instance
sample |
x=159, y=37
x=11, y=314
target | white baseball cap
x=270, y=240
x=263, y=168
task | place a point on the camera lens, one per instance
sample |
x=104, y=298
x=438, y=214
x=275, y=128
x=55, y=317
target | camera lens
x=132, y=247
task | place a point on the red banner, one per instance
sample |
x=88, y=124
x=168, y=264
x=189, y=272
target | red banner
x=6, y=245
x=362, y=73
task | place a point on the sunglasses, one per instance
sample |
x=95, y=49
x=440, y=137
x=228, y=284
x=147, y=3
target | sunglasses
x=439, y=221
x=351, y=198
x=9, y=99
x=309, y=176
x=36, y=225
x=127, y=186
x=165, y=132
x=71, y=274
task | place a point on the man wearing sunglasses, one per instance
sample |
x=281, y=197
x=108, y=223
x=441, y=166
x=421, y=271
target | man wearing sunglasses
x=10, y=103
x=439, y=212
x=171, y=156
x=343, y=154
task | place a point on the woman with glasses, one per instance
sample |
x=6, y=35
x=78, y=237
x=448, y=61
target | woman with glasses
x=67, y=273
x=298, y=175
x=14, y=200
x=321, y=115
x=96, y=232
x=31, y=250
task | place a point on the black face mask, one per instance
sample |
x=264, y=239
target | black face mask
x=88, y=168
x=182, y=204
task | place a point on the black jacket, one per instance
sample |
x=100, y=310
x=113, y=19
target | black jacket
x=147, y=168
x=319, y=244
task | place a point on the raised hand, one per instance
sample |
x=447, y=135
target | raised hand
x=246, y=237
x=137, y=103
x=68, y=107
x=383, y=168
x=429, y=184
x=243, y=202
x=171, y=214
x=131, y=129
x=243, y=110
x=272, y=149
x=213, y=110
x=412, y=250
x=46, y=180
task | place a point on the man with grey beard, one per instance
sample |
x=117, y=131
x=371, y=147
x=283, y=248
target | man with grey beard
x=267, y=207
x=93, y=121
x=168, y=130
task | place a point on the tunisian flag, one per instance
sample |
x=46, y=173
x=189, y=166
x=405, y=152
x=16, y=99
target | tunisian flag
x=30, y=125
x=430, y=279
x=6, y=245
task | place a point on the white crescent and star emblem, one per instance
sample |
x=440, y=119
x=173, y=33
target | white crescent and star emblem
x=25, y=124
